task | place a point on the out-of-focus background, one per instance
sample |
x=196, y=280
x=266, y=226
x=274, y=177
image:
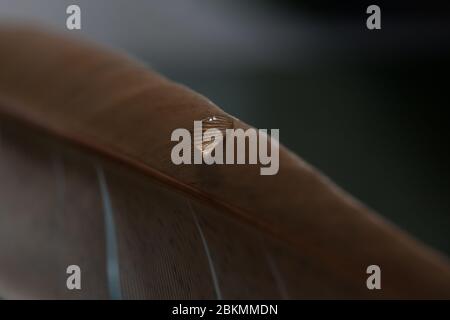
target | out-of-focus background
x=368, y=108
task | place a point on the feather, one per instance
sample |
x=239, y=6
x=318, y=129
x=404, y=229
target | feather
x=85, y=149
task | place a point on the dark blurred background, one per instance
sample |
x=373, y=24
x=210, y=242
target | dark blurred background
x=368, y=108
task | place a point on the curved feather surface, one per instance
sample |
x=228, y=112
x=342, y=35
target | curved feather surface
x=86, y=178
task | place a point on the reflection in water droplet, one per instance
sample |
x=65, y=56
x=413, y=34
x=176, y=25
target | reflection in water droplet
x=206, y=141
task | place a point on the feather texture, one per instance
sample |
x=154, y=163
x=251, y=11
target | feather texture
x=68, y=107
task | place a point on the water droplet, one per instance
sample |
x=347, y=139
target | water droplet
x=206, y=141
